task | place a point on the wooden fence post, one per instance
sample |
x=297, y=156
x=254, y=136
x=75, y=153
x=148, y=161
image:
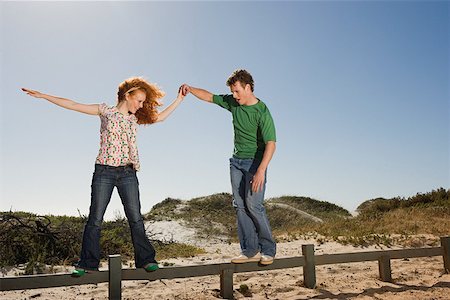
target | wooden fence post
x=115, y=277
x=384, y=267
x=226, y=283
x=309, y=269
x=445, y=244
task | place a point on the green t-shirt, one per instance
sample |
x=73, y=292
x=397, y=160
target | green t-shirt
x=253, y=126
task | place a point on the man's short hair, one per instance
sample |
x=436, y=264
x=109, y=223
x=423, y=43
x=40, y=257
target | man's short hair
x=243, y=77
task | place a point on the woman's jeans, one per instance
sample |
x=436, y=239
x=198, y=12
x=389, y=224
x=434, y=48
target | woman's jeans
x=104, y=180
x=254, y=230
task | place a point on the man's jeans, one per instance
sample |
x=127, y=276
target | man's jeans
x=254, y=230
x=104, y=180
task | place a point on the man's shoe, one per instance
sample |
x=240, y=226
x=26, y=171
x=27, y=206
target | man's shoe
x=244, y=259
x=78, y=272
x=266, y=260
x=151, y=267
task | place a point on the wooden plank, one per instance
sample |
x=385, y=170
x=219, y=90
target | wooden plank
x=414, y=253
x=172, y=272
x=445, y=244
x=338, y=258
x=384, y=268
x=115, y=277
x=309, y=269
x=278, y=263
x=210, y=269
x=226, y=283
x=52, y=280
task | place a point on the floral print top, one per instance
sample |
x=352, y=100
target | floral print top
x=117, y=138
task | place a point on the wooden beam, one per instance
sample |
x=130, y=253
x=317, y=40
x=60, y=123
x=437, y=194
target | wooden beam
x=278, y=263
x=445, y=244
x=309, y=269
x=52, y=280
x=226, y=283
x=172, y=272
x=327, y=259
x=384, y=268
x=115, y=277
x=210, y=269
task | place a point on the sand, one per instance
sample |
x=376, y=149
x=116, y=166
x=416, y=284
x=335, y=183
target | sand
x=418, y=278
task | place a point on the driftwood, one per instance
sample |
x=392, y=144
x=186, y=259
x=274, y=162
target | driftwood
x=32, y=239
x=39, y=225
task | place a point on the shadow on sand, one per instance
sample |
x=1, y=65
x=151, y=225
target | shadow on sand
x=383, y=289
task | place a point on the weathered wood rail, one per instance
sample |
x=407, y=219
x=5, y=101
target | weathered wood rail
x=115, y=275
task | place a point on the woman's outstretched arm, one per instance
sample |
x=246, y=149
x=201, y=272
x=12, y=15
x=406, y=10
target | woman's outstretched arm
x=90, y=109
x=169, y=109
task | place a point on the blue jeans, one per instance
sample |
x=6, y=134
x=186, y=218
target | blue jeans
x=254, y=230
x=104, y=180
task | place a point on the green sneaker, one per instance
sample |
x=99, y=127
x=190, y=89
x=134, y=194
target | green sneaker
x=78, y=272
x=151, y=267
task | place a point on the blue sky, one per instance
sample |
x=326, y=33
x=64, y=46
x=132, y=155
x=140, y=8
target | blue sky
x=359, y=92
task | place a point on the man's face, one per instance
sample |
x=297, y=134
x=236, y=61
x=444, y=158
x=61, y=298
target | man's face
x=239, y=92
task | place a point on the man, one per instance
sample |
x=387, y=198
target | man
x=254, y=146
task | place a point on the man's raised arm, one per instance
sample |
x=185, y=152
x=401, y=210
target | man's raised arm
x=197, y=92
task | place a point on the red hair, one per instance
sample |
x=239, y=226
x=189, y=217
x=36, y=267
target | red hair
x=148, y=114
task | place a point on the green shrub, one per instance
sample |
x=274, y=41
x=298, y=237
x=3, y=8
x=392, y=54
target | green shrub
x=378, y=206
x=163, y=210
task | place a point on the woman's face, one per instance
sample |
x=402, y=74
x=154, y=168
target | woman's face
x=135, y=100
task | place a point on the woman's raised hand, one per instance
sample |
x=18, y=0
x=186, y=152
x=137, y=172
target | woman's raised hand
x=181, y=94
x=33, y=93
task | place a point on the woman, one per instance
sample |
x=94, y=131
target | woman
x=117, y=163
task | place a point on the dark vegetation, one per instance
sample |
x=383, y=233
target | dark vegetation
x=56, y=240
